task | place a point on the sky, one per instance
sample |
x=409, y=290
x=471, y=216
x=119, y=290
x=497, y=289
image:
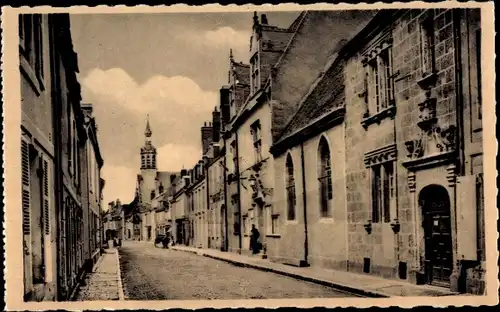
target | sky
x=168, y=65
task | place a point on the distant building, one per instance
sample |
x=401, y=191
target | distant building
x=114, y=221
x=91, y=188
x=180, y=204
x=150, y=183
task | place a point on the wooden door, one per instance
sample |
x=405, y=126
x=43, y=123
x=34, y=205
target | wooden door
x=435, y=204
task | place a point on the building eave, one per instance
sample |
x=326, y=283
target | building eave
x=323, y=123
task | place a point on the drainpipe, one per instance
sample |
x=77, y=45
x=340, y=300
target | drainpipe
x=56, y=112
x=396, y=219
x=207, y=217
x=226, y=239
x=304, y=262
x=459, y=143
x=239, y=190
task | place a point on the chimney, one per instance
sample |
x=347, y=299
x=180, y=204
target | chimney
x=216, y=149
x=183, y=172
x=206, y=137
x=200, y=167
x=172, y=178
x=224, y=105
x=216, y=125
x=87, y=107
x=263, y=19
x=255, y=19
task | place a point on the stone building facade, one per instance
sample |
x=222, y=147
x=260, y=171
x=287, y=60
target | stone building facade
x=366, y=157
x=402, y=137
x=419, y=146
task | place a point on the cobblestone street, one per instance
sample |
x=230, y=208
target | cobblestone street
x=154, y=273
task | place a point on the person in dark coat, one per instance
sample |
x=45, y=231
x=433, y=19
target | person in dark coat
x=254, y=240
x=165, y=241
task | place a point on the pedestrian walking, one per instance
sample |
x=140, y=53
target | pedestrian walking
x=254, y=240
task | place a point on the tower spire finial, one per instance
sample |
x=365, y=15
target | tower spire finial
x=231, y=54
x=148, y=131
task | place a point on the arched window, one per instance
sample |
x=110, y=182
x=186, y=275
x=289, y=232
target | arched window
x=290, y=188
x=325, y=178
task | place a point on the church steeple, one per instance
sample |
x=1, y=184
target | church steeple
x=148, y=151
x=148, y=131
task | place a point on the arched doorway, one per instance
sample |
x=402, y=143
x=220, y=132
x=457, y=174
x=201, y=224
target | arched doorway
x=435, y=204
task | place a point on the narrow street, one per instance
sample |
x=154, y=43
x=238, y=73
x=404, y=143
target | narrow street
x=154, y=273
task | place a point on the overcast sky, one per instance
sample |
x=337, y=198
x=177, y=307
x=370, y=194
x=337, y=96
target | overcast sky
x=167, y=65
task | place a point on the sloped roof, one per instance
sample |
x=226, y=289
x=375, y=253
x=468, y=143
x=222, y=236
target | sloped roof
x=275, y=39
x=241, y=72
x=295, y=25
x=164, y=177
x=326, y=95
x=327, y=92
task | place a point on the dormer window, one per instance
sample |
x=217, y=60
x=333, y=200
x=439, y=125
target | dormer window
x=255, y=73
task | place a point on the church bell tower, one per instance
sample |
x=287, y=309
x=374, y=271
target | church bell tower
x=148, y=151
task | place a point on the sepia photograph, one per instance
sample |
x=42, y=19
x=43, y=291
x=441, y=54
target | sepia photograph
x=252, y=153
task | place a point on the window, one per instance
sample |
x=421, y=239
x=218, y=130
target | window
x=383, y=194
x=290, y=188
x=245, y=225
x=257, y=142
x=36, y=207
x=427, y=45
x=90, y=167
x=380, y=81
x=31, y=41
x=153, y=194
x=274, y=224
x=255, y=79
x=70, y=138
x=325, y=178
x=75, y=152
x=235, y=158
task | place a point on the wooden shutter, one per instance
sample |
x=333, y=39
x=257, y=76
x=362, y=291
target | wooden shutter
x=26, y=197
x=47, y=182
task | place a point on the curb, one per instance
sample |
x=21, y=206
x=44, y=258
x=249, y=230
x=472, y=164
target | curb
x=121, y=296
x=335, y=285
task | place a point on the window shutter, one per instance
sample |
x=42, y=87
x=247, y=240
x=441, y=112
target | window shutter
x=46, y=219
x=25, y=164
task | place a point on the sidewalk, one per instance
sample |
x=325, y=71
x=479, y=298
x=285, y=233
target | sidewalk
x=104, y=283
x=362, y=284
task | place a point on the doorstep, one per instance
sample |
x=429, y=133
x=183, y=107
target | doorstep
x=358, y=283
